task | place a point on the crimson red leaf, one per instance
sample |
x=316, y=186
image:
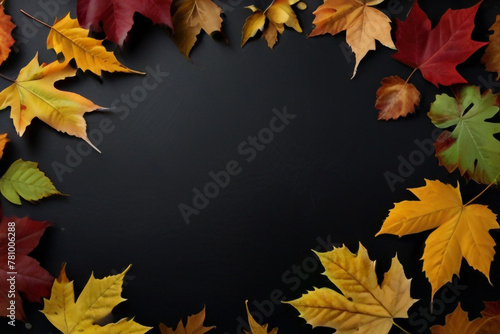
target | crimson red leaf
x=117, y=16
x=30, y=279
x=436, y=52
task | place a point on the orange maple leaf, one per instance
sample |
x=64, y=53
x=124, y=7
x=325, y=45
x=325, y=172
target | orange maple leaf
x=458, y=321
x=460, y=230
x=363, y=24
x=6, y=40
x=194, y=325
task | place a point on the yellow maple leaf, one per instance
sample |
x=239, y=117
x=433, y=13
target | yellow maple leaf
x=194, y=325
x=363, y=306
x=33, y=94
x=6, y=40
x=491, y=55
x=255, y=327
x=460, y=230
x=98, y=298
x=279, y=13
x=363, y=24
x=458, y=322
x=190, y=17
x=3, y=141
x=67, y=37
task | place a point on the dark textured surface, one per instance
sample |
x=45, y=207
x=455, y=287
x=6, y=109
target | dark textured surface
x=320, y=178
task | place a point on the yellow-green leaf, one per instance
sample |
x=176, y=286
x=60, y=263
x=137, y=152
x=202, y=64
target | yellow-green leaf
x=67, y=37
x=24, y=179
x=98, y=298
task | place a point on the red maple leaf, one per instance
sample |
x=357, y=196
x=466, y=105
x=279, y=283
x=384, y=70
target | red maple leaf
x=436, y=52
x=30, y=279
x=117, y=16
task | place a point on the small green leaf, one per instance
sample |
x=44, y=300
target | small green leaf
x=24, y=179
x=471, y=146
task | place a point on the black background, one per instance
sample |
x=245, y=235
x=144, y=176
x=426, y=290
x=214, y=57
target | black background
x=321, y=177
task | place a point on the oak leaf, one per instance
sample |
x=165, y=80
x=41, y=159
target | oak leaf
x=396, y=98
x=6, y=40
x=436, y=52
x=98, y=298
x=362, y=306
x=458, y=322
x=31, y=280
x=277, y=15
x=491, y=55
x=190, y=17
x=3, y=141
x=117, y=16
x=471, y=146
x=24, y=179
x=363, y=25
x=460, y=230
x=67, y=37
x=255, y=327
x=33, y=94
x=194, y=325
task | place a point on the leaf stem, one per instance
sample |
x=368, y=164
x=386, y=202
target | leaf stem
x=401, y=328
x=482, y=192
x=34, y=18
x=6, y=78
x=411, y=74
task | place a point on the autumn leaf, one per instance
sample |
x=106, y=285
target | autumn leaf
x=190, y=16
x=98, y=298
x=396, y=98
x=458, y=322
x=6, y=40
x=31, y=280
x=491, y=56
x=362, y=306
x=68, y=38
x=436, y=52
x=255, y=327
x=363, y=24
x=459, y=230
x=194, y=325
x=33, y=94
x=471, y=146
x=3, y=141
x=117, y=16
x=278, y=14
x=24, y=179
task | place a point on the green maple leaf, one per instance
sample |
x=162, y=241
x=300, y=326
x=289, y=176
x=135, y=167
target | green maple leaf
x=471, y=146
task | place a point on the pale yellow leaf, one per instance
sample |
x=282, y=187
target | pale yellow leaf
x=362, y=306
